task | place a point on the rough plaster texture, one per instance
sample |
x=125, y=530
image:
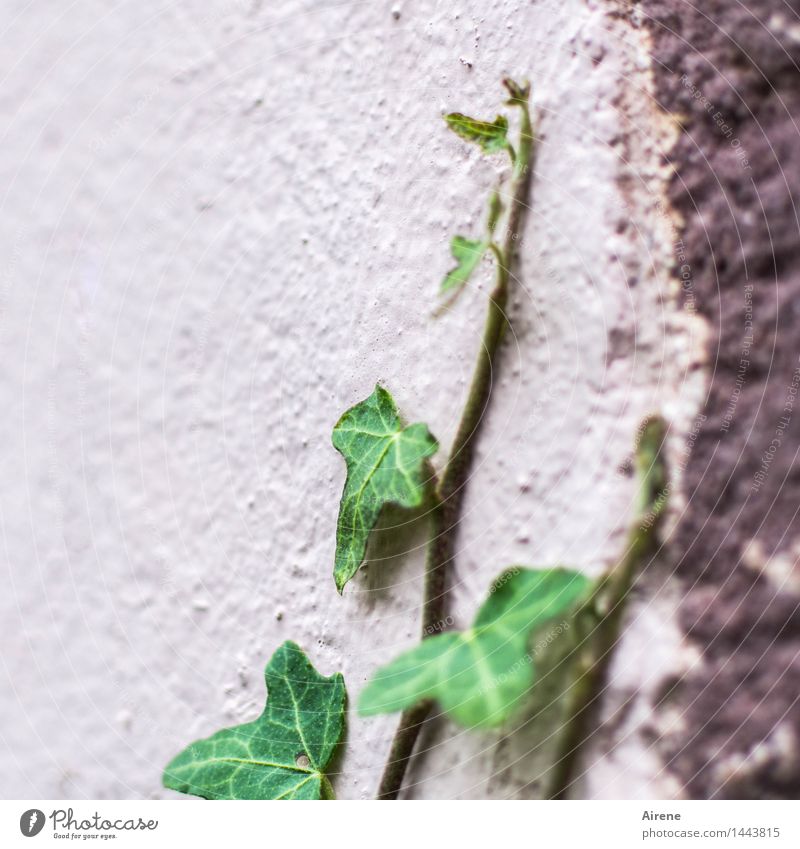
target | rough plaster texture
x=222, y=223
x=730, y=728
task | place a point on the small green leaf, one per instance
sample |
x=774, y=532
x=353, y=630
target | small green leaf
x=283, y=753
x=385, y=465
x=479, y=675
x=491, y=136
x=468, y=254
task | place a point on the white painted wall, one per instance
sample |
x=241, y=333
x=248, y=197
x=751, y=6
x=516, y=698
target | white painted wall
x=221, y=224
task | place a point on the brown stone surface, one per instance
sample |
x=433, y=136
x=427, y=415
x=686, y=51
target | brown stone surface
x=730, y=72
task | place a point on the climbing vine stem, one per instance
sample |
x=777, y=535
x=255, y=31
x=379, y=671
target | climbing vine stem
x=449, y=492
x=599, y=622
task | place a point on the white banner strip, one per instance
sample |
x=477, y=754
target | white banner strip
x=385, y=825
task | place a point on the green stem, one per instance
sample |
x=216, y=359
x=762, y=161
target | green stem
x=446, y=513
x=326, y=791
x=599, y=622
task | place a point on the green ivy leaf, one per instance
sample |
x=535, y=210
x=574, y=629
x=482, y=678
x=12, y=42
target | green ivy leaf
x=467, y=254
x=283, y=753
x=491, y=136
x=385, y=465
x=480, y=675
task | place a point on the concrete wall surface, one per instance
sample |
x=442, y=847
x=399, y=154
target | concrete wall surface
x=222, y=223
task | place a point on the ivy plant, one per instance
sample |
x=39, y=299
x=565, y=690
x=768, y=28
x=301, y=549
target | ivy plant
x=469, y=252
x=479, y=676
x=599, y=621
x=386, y=464
x=282, y=754
x=491, y=136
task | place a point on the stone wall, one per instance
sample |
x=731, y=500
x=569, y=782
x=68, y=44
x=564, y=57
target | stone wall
x=224, y=222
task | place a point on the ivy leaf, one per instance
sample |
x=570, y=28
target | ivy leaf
x=283, y=753
x=491, y=136
x=386, y=464
x=480, y=675
x=467, y=254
